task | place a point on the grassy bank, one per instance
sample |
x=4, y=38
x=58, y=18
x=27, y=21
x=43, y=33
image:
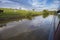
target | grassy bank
x=7, y=15
x=13, y=14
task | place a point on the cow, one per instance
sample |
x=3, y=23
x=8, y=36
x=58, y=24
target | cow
x=1, y=11
x=58, y=11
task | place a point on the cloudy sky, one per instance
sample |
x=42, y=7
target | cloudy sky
x=31, y=4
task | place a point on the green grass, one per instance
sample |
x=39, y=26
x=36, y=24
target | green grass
x=13, y=14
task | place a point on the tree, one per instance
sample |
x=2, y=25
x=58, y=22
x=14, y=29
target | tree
x=20, y=8
x=33, y=9
x=45, y=13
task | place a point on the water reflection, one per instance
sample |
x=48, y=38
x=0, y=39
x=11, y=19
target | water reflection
x=44, y=16
x=1, y=25
x=59, y=16
x=35, y=29
x=9, y=20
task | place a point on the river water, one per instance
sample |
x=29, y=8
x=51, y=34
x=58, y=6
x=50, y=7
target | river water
x=38, y=28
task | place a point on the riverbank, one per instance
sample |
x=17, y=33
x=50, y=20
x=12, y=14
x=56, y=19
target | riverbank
x=15, y=14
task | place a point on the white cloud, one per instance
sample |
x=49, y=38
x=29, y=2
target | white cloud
x=35, y=4
x=9, y=4
x=42, y=5
x=38, y=5
x=54, y=5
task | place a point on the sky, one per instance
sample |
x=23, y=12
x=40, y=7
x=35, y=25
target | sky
x=31, y=4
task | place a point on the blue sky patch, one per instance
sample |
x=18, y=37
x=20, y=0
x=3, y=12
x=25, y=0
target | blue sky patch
x=30, y=4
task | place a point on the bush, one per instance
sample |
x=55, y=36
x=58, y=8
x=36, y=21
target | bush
x=45, y=13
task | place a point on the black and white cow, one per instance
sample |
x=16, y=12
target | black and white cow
x=1, y=11
x=58, y=11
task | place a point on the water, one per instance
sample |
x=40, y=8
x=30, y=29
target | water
x=38, y=28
